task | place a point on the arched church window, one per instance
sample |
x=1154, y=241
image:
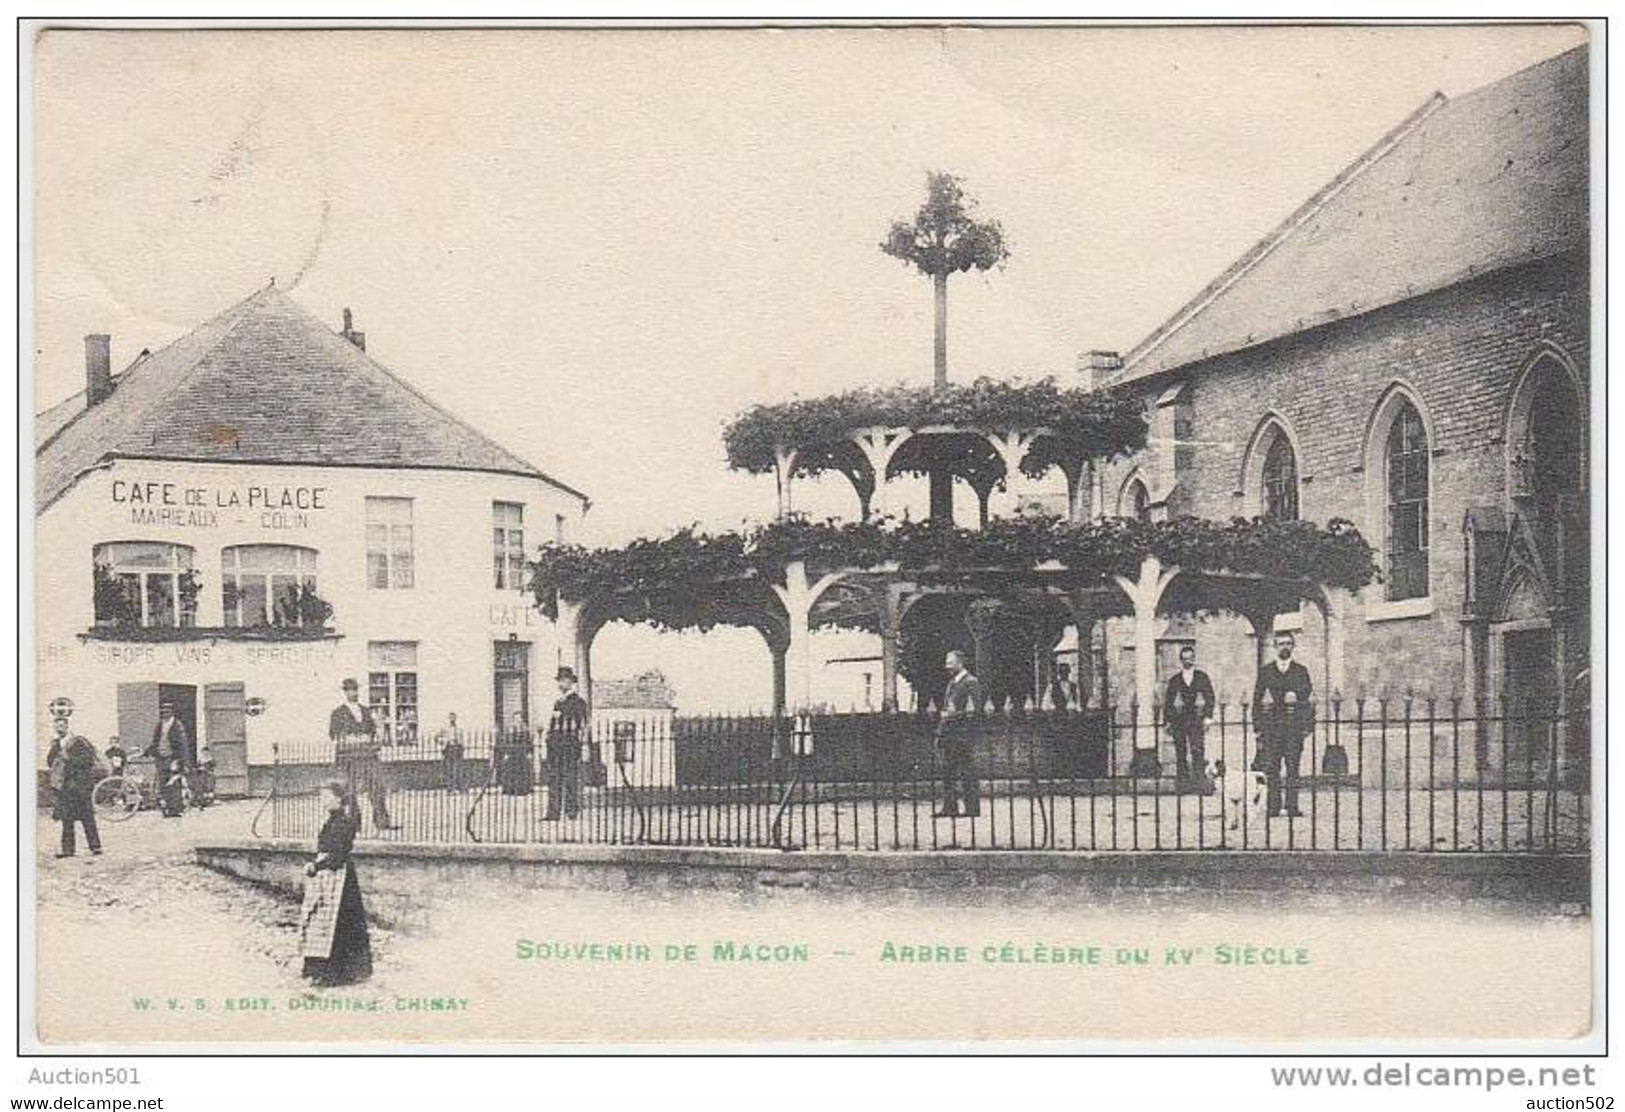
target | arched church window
x=1406, y=468
x=1138, y=501
x=1280, y=480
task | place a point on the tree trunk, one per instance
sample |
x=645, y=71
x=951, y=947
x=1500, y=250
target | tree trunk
x=942, y=480
x=940, y=282
x=942, y=493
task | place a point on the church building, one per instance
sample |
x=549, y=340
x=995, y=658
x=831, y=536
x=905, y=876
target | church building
x=1410, y=351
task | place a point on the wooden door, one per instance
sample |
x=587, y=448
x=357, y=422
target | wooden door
x=137, y=718
x=225, y=729
x=1531, y=705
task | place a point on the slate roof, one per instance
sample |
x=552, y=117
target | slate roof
x=263, y=382
x=1464, y=186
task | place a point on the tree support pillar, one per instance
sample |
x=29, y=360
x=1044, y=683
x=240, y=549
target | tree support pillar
x=784, y=468
x=575, y=638
x=878, y=446
x=1145, y=592
x=1012, y=447
x=798, y=596
x=891, y=624
x=779, y=674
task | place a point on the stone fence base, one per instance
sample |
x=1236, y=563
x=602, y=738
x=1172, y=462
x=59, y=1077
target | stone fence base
x=397, y=876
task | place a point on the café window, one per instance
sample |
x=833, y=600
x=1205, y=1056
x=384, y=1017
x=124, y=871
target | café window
x=508, y=545
x=392, y=689
x=144, y=583
x=389, y=543
x=269, y=585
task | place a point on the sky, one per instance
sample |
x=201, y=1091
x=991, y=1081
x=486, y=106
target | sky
x=597, y=246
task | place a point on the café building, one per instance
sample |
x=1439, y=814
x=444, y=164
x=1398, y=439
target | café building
x=236, y=522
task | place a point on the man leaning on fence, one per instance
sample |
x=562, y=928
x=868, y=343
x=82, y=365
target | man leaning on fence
x=1283, y=715
x=355, y=753
x=961, y=703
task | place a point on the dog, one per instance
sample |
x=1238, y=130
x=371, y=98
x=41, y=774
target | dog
x=1244, y=791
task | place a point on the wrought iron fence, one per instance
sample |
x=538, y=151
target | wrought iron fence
x=1394, y=775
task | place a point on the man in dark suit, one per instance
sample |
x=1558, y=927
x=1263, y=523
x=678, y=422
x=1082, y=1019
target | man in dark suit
x=961, y=705
x=1063, y=690
x=566, y=731
x=171, y=751
x=1283, y=715
x=1187, y=704
x=355, y=753
x=74, y=772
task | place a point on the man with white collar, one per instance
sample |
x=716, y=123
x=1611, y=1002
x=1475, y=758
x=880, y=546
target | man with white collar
x=1187, y=704
x=1283, y=716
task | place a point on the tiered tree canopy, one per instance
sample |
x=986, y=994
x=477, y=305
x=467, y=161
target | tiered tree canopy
x=695, y=580
x=981, y=432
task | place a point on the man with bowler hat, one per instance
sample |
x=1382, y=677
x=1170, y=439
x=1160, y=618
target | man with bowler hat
x=566, y=731
x=355, y=752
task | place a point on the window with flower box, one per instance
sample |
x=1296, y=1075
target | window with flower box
x=270, y=585
x=150, y=584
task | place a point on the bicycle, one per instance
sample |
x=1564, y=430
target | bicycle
x=118, y=796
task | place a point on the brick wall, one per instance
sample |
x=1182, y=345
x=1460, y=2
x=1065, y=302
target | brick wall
x=1461, y=349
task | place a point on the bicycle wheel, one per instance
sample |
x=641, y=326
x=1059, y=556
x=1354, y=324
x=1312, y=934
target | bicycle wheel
x=116, y=798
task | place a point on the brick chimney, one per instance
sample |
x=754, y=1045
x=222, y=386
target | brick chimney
x=98, y=368
x=359, y=339
x=1097, y=366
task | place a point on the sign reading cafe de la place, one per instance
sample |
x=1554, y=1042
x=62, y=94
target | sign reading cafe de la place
x=168, y=503
x=215, y=534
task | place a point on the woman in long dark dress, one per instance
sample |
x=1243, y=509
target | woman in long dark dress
x=333, y=925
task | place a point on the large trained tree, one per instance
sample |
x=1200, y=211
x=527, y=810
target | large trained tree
x=944, y=238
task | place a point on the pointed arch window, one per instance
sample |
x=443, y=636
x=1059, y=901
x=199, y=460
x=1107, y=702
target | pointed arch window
x=1280, y=480
x=1406, y=464
x=1137, y=501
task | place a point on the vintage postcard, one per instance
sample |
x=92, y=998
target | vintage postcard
x=1058, y=536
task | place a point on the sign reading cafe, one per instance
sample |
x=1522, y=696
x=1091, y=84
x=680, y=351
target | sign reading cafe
x=183, y=505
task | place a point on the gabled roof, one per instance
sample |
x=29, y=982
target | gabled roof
x=1489, y=180
x=263, y=382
